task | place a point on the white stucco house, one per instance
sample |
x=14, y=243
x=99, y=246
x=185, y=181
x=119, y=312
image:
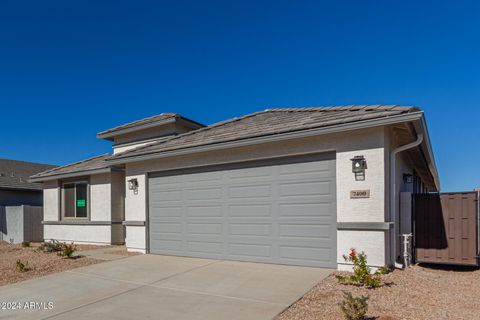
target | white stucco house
x=297, y=186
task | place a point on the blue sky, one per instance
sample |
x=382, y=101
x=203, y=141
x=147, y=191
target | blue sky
x=71, y=69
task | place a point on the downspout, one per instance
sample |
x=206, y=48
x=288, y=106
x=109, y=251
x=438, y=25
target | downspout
x=393, y=185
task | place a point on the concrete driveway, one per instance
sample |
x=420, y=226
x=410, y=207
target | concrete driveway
x=162, y=287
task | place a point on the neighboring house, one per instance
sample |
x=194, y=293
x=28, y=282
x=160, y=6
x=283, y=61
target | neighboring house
x=296, y=186
x=15, y=189
x=20, y=201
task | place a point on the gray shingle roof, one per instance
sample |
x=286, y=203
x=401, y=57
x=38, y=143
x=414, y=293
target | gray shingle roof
x=146, y=121
x=263, y=123
x=269, y=122
x=14, y=174
x=97, y=162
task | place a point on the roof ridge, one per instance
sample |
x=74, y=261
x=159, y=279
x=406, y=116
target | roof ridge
x=68, y=165
x=29, y=162
x=377, y=108
x=170, y=114
x=215, y=125
x=335, y=107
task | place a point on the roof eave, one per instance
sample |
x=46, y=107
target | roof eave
x=14, y=188
x=112, y=134
x=274, y=137
x=428, y=151
x=69, y=175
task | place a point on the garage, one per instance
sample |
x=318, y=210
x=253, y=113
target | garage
x=279, y=211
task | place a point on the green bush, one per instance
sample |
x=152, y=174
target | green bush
x=354, y=308
x=26, y=244
x=68, y=250
x=362, y=274
x=22, y=267
x=51, y=246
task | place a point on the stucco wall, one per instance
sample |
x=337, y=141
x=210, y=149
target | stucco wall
x=118, y=196
x=81, y=234
x=105, y=205
x=100, y=197
x=51, y=201
x=129, y=146
x=135, y=238
x=368, y=142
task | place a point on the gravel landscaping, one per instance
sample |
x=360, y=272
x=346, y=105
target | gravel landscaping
x=39, y=263
x=420, y=292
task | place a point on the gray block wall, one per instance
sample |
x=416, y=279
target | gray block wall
x=21, y=223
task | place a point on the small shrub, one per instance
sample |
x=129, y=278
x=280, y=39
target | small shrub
x=384, y=269
x=354, y=308
x=362, y=274
x=22, y=267
x=51, y=246
x=26, y=244
x=68, y=250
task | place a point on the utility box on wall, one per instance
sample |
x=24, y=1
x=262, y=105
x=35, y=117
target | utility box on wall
x=21, y=223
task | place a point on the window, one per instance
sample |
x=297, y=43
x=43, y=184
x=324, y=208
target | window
x=75, y=200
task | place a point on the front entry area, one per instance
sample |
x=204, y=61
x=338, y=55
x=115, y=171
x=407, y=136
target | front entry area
x=280, y=211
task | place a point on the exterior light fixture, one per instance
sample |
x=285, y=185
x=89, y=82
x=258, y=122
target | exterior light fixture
x=133, y=185
x=359, y=164
x=407, y=178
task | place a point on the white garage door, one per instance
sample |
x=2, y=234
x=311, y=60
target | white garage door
x=277, y=211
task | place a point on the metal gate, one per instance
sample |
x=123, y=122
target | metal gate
x=446, y=228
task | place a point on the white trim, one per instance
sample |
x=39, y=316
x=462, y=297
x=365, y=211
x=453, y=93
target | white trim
x=71, y=175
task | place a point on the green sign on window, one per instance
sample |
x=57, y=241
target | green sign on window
x=81, y=203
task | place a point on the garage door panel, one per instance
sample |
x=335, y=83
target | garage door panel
x=250, y=250
x=205, y=247
x=249, y=174
x=202, y=194
x=303, y=254
x=205, y=211
x=302, y=209
x=250, y=191
x=282, y=213
x=171, y=212
x=249, y=210
x=250, y=229
x=162, y=227
x=306, y=189
x=304, y=230
x=204, y=228
x=160, y=196
x=316, y=167
x=164, y=245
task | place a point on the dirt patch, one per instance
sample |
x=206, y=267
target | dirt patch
x=39, y=263
x=416, y=293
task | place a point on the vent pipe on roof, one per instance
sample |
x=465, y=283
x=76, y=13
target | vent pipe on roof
x=393, y=186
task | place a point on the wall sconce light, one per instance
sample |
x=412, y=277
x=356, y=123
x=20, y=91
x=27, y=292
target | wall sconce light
x=407, y=178
x=359, y=164
x=133, y=185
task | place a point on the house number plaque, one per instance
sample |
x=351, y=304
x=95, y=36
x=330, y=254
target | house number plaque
x=356, y=194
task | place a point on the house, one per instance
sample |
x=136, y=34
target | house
x=15, y=189
x=297, y=186
x=20, y=201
